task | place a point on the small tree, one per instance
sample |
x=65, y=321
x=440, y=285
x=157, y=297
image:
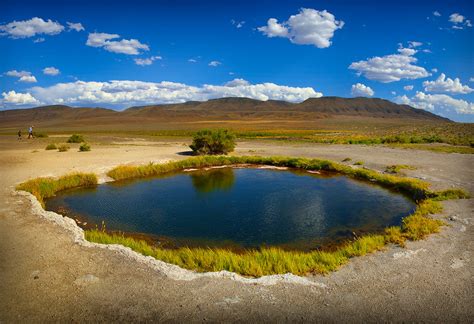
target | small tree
x=218, y=141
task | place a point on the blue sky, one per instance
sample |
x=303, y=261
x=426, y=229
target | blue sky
x=118, y=54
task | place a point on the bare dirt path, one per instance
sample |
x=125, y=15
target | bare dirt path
x=44, y=276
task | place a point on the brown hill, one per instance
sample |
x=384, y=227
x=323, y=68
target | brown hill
x=214, y=111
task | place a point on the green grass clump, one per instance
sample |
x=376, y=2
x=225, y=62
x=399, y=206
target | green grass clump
x=51, y=146
x=359, y=163
x=396, y=168
x=84, y=147
x=213, y=141
x=255, y=263
x=451, y=194
x=417, y=226
x=347, y=159
x=63, y=148
x=75, y=138
x=41, y=135
x=43, y=188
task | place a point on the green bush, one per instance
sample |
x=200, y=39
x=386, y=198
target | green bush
x=84, y=147
x=41, y=135
x=75, y=138
x=207, y=141
x=63, y=148
x=51, y=146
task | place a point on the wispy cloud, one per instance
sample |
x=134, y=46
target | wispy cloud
x=123, y=46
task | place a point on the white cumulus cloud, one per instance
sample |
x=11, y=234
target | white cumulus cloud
x=23, y=76
x=18, y=74
x=408, y=87
x=125, y=93
x=75, y=26
x=28, y=79
x=443, y=84
x=459, y=21
x=436, y=13
x=18, y=99
x=308, y=27
x=51, y=71
x=361, y=90
x=390, y=68
x=147, y=61
x=438, y=103
x=456, y=18
x=30, y=28
x=108, y=42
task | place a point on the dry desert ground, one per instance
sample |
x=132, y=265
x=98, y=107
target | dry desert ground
x=45, y=276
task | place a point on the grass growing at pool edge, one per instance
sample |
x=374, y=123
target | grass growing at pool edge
x=47, y=187
x=274, y=260
x=416, y=188
x=253, y=263
x=268, y=260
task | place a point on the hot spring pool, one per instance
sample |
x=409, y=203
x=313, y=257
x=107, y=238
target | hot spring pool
x=238, y=208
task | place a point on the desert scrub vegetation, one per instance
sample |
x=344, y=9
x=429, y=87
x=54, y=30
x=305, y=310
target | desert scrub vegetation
x=397, y=168
x=84, y=147
x=43, y=188
x=41, y=135
x=217, y=141
x=75, y=138
x=359, y=163
x=63, y=148
x=51, y=146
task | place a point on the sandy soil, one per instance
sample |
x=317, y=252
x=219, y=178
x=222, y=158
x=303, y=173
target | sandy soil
x=45, y=276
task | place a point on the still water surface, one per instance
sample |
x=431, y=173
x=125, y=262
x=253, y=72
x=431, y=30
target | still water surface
x=239, y=208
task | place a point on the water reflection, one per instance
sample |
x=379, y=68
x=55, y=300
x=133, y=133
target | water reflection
x=218, y=179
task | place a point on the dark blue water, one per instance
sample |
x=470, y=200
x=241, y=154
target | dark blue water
x=239, y=208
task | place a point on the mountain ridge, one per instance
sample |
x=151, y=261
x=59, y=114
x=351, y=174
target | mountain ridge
x=221, y=109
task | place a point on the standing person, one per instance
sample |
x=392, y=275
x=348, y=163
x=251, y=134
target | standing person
x=30, y=132
x=19, y=134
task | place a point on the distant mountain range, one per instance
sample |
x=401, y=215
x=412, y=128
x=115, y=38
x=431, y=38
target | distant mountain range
x=223, y=109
